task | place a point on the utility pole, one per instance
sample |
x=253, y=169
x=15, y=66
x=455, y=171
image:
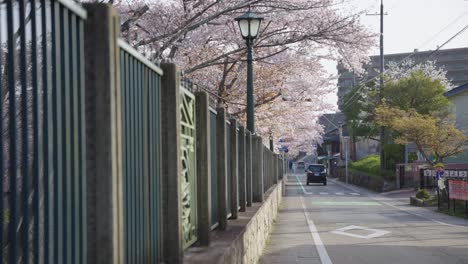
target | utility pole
x=382, y=130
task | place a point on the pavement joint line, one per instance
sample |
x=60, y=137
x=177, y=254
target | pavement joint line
x=400, y=209
x=322, y=251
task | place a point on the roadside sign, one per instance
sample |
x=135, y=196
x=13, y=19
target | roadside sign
x=458, y=190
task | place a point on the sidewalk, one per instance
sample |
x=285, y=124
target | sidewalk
x=290, y=241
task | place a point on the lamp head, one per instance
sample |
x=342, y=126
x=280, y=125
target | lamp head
x=249, y=24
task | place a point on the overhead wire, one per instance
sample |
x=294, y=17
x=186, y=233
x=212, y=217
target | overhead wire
x=409, y=56
x=360, y=87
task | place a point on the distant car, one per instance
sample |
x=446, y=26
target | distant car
x=300, y=165
x=316, y=173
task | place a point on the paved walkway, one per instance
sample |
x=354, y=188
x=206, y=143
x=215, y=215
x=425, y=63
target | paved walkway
x=291, y=241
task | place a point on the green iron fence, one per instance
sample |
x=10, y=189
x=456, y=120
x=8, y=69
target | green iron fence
x=42, y=161
x=214, y=177
x=229, y=172
x=140, y=85
x=43, y=143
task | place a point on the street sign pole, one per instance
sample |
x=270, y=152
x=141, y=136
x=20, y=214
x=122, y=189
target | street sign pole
x=346, y=146
x=346, y=162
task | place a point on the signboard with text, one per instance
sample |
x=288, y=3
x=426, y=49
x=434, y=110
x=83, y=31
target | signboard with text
x=448, y=173
x=458, y=190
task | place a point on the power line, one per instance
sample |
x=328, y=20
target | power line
x=406, y=58
x=350, y=100
x=346, y=105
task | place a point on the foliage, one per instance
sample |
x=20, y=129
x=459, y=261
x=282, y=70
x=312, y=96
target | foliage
x=407, y=85
x=6, y=216
x=431, y=134
x=420, y=88
x=412, y=156
x=416, y=91
x=370, y=164
x=295, y=38
x=394, y=154
x=397, y=71
x=423, y=194
x=359, y=113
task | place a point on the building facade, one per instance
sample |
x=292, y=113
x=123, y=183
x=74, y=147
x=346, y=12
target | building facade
x=458, y=96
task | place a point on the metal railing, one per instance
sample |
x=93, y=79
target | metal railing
x=47, y=156
x=141, y=147
x=214, y=177
x=42, y=149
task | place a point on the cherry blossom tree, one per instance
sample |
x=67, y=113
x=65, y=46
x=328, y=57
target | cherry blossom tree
x=296, y=37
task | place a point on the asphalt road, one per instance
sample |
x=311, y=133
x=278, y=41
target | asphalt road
x=351, y=225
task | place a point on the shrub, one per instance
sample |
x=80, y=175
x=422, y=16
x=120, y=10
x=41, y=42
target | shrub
x=370, y=164
x=423, y=194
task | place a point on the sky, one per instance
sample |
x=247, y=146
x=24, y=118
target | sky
x=414, y=24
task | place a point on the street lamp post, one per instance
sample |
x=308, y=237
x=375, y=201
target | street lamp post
x=249, y=24
x=271, y=142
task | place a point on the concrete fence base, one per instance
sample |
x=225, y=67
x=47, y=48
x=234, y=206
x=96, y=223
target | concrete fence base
x=245, y=238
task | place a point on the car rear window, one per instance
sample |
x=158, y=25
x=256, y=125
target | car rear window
x=316, y=168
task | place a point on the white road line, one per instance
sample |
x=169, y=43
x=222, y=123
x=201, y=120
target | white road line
x=323, y=193
x=339, y=193
x=322, y=251
x=374, y=232
x=356, y=194
x=302, y=186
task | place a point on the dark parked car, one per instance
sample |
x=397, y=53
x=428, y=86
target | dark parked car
x=316, y=173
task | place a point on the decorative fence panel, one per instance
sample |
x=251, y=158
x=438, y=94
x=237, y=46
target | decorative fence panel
x=189, y=177
x=140, y=85
x=42, y=161
x=47, y=136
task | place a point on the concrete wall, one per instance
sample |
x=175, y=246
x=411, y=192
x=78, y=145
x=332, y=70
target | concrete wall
x=245, y=238
x=258, y=229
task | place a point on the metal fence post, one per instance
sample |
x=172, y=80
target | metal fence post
x=275, y=168
x=171, y=165
x=248, y=167
x=234, y=168
x=203, y=167
x=221, y=150
x=257, y=169
x=242, y=169
x=103, y=136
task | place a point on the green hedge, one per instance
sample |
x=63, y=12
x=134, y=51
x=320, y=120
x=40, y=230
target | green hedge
x=371, y=165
